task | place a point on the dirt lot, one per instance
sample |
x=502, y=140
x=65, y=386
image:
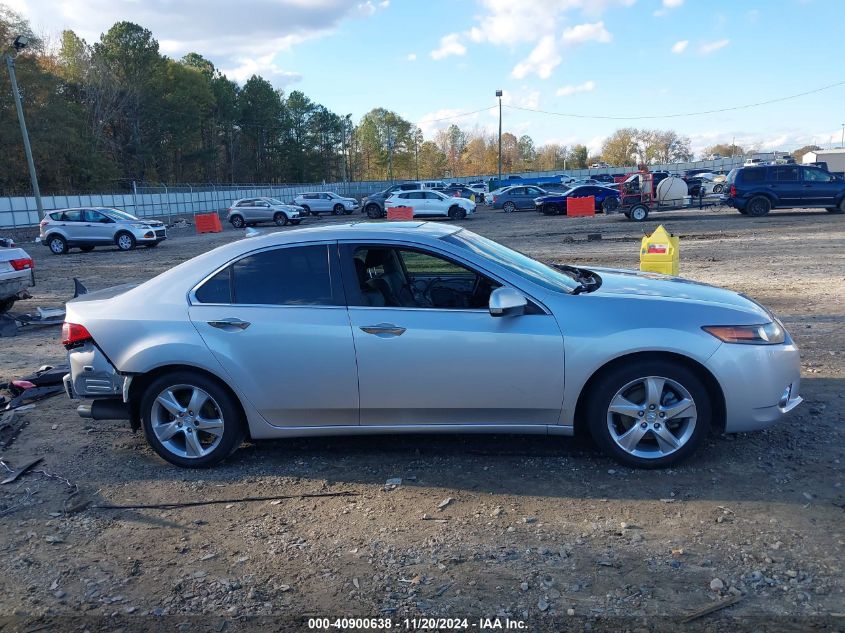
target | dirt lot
x=543, y=530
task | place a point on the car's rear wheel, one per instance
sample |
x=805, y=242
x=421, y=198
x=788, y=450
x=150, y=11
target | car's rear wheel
x=86, y=249
x=457, y=213
x=338, y=209
x=374, y=212
x=509, y=207
x=57, y=244
x=718, y=188
x=649, y=414
x=758, y=206
x=280, y=218
x=191, y=420
x=125, y=241
x=306, y=209
x=237, y=221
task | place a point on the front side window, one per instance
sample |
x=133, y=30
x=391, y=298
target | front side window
x=410, y=278
x=817, y=175
x=90, y=215
x=283, y=276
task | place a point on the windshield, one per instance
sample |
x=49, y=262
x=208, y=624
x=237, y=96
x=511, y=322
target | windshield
x=117, y=214
x=514, y=261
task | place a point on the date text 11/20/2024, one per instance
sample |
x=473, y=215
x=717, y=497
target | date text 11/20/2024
x=417, y=624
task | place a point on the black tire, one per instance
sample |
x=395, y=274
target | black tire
x=638, y=213
x=306, y=209
x=758, y=206
x=338, y=209
x=374, y=212
x=295, y=222
x=57, y=244
x=609, y=205
x=86, y=249
x=234, y=423
x=457, y=213
x=125, y=241
x=237, y=221
x=718, y=188
x=509, y=207
x=612, y=381
x=280, y=218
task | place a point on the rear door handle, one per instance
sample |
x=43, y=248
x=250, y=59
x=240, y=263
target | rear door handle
x=384, y=330
x=230, y=325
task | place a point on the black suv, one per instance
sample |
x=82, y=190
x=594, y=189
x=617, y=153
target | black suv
x=755, y=191
x=373, y=205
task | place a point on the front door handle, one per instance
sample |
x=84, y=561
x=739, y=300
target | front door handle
x=230, y=325
x=383, y=330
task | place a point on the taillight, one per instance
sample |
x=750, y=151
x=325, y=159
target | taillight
x=43, y=222
x=732, y=191
x=495, y=198
x=24, y=263
x=74, y=334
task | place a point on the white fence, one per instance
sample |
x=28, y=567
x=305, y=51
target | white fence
x=166, y=202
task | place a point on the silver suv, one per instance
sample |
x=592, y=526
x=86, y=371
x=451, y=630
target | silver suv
x=98, y=226
x=248, y=211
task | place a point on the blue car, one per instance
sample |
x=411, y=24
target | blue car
x=755, y=191
x=516, y=198
x=555, y=203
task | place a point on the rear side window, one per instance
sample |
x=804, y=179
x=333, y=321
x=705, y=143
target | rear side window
x=72, y=216
x=283, y=276
x=753, y=175
x=789, y=173
x=246, y=203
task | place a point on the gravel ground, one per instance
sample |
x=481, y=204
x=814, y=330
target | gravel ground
x=542, y=530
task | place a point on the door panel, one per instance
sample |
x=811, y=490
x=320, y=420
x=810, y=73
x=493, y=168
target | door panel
x=457, y=367
x=787, y=184
x=820, y=188
x=97, y=227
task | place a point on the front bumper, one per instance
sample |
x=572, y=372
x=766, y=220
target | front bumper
x=760, y=383
x=153, y=234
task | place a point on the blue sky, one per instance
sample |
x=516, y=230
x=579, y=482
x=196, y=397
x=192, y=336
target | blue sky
x=434, y=59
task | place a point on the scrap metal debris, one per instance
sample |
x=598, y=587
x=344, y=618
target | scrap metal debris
x=712, y=608
x=191, y=504
x=17, y=472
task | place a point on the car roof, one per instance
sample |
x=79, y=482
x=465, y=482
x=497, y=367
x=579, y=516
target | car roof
x=357, y=231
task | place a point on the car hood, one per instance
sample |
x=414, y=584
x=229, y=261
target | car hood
x=616, y=281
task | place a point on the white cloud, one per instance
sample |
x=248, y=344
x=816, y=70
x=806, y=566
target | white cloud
x=712, y=47
x=587, y=33
x=542, y=60
x=384, y=4
x=449, y=45
x=672, y=4
x=565, y=91
x=412, y=57
x=214, y=28
x=680, y=46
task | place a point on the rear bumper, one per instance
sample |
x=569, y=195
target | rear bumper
x=12, y=285
x=91, y=374
x=760, y=383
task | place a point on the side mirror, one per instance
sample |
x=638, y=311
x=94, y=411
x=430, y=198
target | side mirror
x=507, y=302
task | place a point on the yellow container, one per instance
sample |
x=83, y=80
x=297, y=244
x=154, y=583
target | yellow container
x=660, y=252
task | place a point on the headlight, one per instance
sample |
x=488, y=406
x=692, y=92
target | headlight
x=767, y=334
x=140, y=226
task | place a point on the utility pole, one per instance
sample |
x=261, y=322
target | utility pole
x=843, y=136
x=499, y=94
x=21, y=42
x=389, y=154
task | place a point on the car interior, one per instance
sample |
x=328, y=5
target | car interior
x=392, y=277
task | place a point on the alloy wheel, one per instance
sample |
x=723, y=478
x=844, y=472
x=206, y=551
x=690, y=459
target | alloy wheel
x=651, y=417
x=187, y=421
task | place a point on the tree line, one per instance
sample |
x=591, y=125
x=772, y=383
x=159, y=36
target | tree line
x=102, y=115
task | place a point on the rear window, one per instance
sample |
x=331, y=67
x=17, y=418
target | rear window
x=283, y=276
x=753, y=175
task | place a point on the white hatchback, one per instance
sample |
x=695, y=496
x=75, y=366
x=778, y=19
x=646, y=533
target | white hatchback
x=431, y=203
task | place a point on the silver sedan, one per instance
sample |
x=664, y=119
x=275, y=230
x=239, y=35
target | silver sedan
x=423, y=328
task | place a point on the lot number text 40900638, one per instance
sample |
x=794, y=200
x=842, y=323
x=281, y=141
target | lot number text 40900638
x=417, y=624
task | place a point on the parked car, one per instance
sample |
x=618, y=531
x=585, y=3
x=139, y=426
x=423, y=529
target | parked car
x=478, y=186
x=373, y=205
x=599, y=165
x=753, y=162
x=89, y=227
x=251, y=211
x=325, y=202
x=428, y=202
x=755, y=191
x=607, y=199
x=601, y=178
x=423, y=327
x=581, y=182
x=516, y=198
x=16, y=274
x=462, y=191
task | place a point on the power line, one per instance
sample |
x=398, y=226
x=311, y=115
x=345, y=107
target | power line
x=682, y=114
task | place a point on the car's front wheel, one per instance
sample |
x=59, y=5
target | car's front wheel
x=338, y=209
x=125, y=241
x=457, y=213
x=509, y=207
x=374, y=212
x=649, y=414
x=280, y=218
x=191, y=420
